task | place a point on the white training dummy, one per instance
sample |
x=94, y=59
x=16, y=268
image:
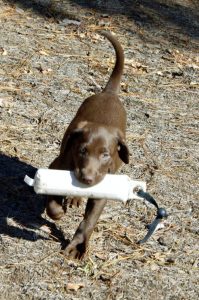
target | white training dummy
x=64, y=183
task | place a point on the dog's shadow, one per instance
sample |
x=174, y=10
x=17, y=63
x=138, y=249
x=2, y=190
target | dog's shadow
x=20, y=207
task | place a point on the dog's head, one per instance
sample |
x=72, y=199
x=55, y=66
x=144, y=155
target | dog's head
x=96, y=150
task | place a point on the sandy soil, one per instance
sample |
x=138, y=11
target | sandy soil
x=51, y=59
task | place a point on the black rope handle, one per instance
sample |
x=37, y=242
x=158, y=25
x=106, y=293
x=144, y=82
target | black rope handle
x=161, y=213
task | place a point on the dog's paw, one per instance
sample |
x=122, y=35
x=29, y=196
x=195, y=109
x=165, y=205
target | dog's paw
x=75, y=202
x=76, y=249
x=55, y=208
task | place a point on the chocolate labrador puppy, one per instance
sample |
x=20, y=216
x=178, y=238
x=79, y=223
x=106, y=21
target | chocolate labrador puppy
x=93, y=145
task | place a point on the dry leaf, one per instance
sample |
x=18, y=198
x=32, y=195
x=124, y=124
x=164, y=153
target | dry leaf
x=42, y=52
x=193, y=66
x=74, y=286
x=71, y=22
x=159, y=73
x=47, y=71
x=3, y=51
x=194, y=83
x=101, y=256
x=6, y=102
x=97, y=37
x=82, y=35
x=130, y=62
x=154, y=267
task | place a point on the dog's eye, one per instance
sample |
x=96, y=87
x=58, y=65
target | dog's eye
x=105, y=155
x=82, y=150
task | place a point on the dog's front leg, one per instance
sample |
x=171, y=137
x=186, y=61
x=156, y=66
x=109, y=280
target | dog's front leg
x=55, y=206
x=77, y=247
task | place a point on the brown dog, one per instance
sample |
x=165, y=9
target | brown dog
x=93, y=145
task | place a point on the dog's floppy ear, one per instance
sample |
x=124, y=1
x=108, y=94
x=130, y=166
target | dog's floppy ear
x=123, y=150
x=71, y=137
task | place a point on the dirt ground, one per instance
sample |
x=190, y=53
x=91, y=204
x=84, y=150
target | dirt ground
x=51, y=59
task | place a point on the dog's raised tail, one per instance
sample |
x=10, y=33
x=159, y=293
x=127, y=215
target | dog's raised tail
x=113, y=84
